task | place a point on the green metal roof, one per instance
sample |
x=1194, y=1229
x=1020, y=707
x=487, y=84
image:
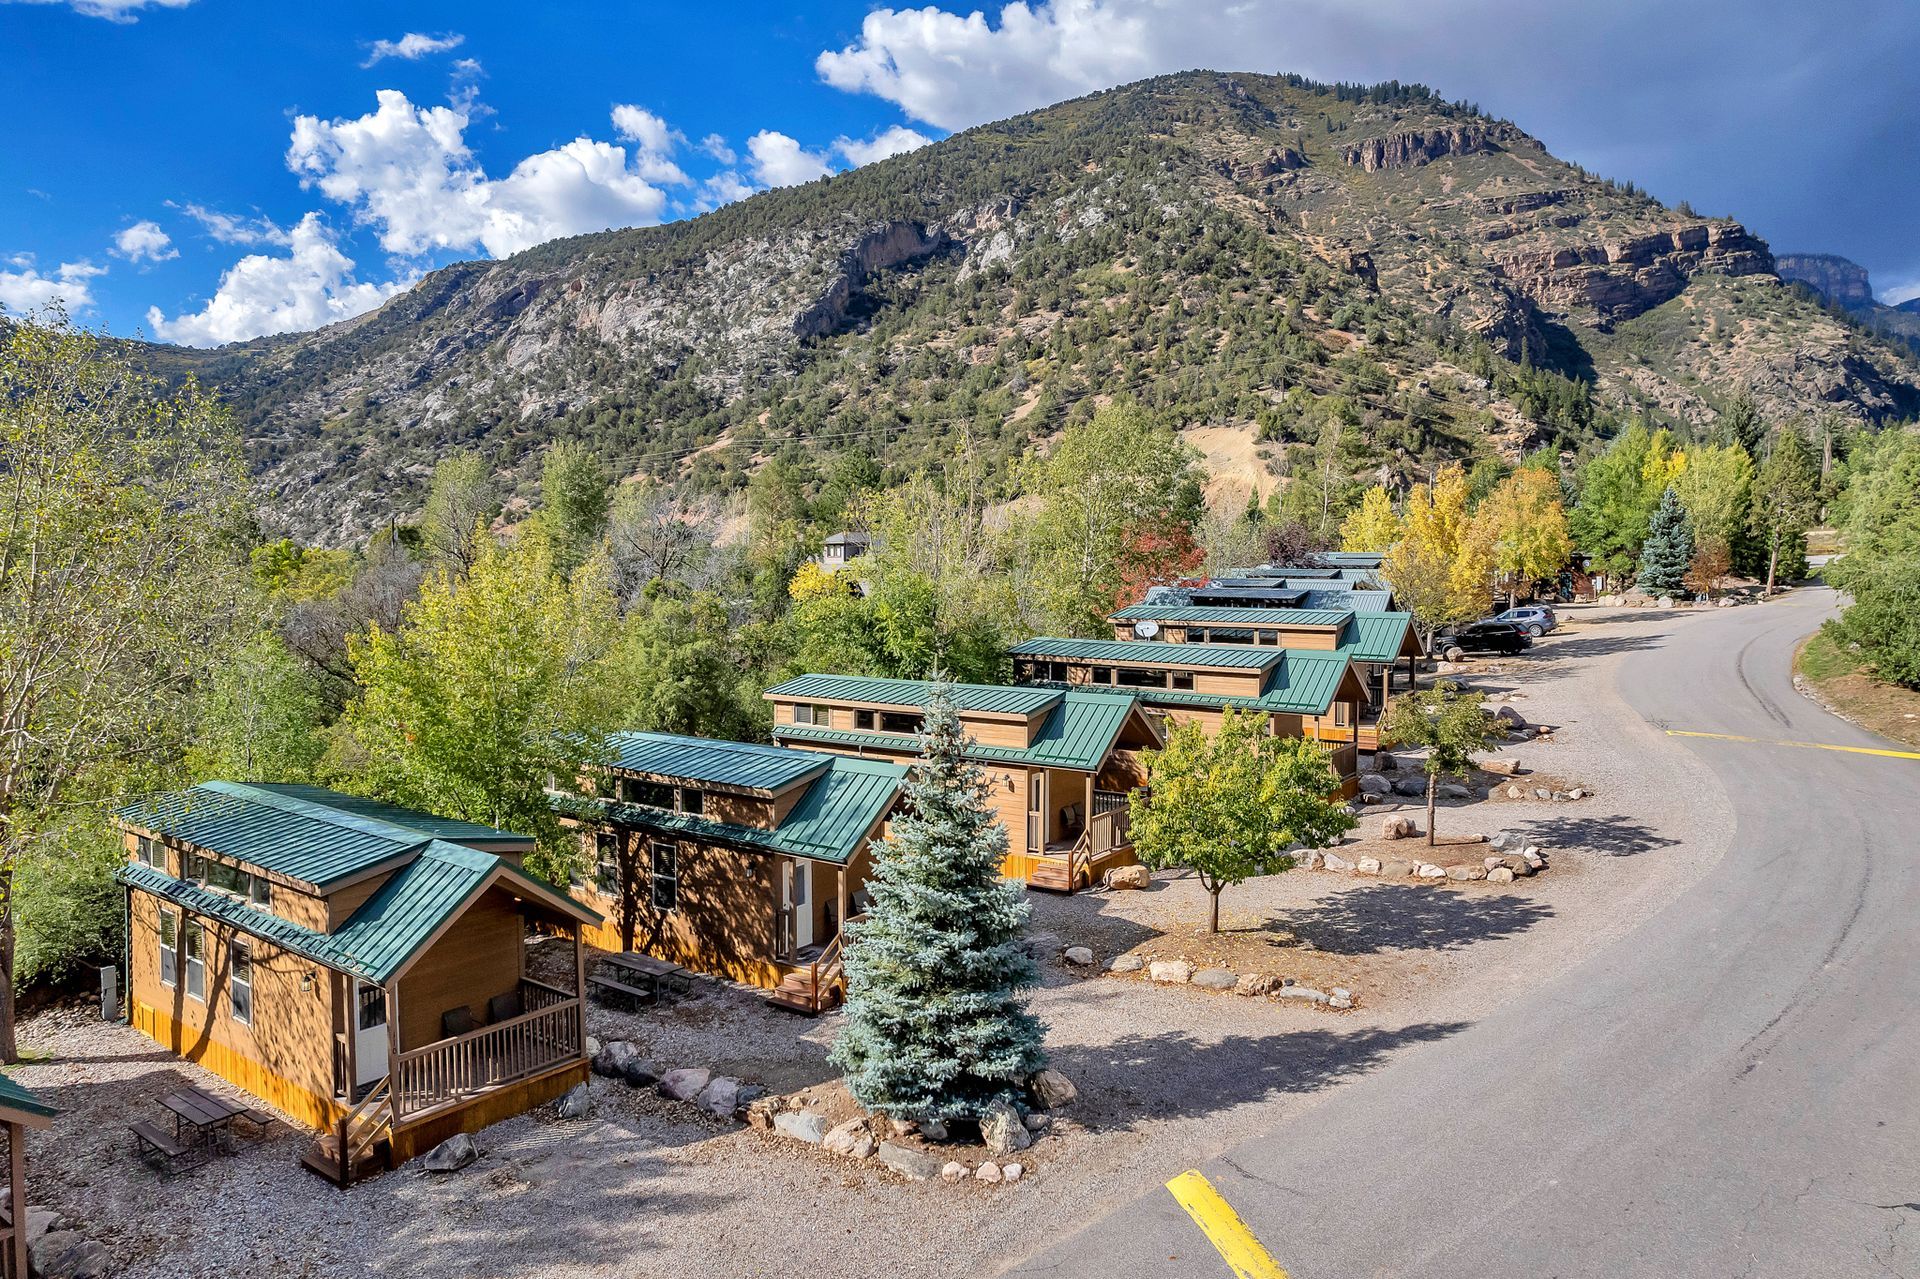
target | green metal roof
x=387, y=930
x=309, y=833
x=18, y=1097
x=1155, y=652
x=704, y=759
x=827, y=823
x=1305, y=684
x=1248, y=617
x=1077, y=735
x=1378, y=637
x=989, y=699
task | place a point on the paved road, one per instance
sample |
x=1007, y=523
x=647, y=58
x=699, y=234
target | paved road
x=1733, y=1089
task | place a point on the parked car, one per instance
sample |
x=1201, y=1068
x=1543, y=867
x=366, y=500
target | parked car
x=1535, y=619
x=1481, y=637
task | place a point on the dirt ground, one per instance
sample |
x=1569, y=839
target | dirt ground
x=1168, y=1075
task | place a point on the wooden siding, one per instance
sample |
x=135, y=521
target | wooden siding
x=340, y=906
x=723, y=920
x=478, y=957
x=749, y=810
x=284, y=1057
x=485, y=1110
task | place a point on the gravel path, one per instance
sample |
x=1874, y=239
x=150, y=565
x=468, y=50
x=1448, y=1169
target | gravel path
x=1169, y=1076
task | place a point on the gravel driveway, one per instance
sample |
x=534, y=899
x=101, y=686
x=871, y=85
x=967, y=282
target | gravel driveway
x=1168, y=1076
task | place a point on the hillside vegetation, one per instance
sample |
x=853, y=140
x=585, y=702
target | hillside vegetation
x=1371, y=279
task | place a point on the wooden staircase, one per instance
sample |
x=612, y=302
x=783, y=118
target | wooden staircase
x=814, y=987
x=1052, y=874
x=364, y=1136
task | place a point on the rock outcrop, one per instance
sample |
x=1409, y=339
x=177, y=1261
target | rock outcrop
x=1610, y=281
x=1410, y=147
x=1840, y=281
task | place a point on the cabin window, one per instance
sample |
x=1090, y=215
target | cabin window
x=692, y=801
x=1341, y=715
x=151, y=852
x=240, y=980
x=863, y=720
x=373, y=1008
x=650, y=794
x=665, y=872
x=606, y=862
x=1268, y=637
x=194, y=944
x=905, y=722
x=260, y=892
x=170, y=947
x=1229, y=636
x=1181, y=681
x=1101, y=675
x=1135, y=677
x=190, y=866
x=818, y=716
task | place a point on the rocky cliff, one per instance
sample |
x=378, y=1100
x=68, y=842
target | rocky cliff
x=1834, y=278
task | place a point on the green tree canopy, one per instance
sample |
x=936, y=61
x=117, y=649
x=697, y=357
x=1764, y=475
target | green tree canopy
x=575, y=494
x=1453, y=727
x=1786, y=499
x=1668, y=550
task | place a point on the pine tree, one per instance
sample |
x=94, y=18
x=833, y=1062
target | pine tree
x=936, y=1025
x=1668, y=550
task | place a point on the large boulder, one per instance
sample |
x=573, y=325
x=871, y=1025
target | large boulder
x=801, y=1126
x=1375, y=784
x=721, y=1097
x=1454, y=790
x=67, y=1254
x=1126, y=964
x=1510, y=717
x=1052, y=1089
x=1174, y=972
x=987, y=1171
x=1129, y=877
x=1504, y=767
x=853, y=1138
x=640, y=1072
x=685, y=1083
x=1079, y=957
x=1215, y=979
x=577, y=1103
x=1385, y=763
x=914, y=1165
x=1332, y=861
x=613, y=1057
x=451, y=1155
x=1413, y=786
x=1003, y=1130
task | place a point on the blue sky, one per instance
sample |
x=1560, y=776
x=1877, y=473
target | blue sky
x=207, y=170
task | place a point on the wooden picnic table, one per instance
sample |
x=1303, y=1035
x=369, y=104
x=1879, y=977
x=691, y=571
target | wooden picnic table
x=209, y=1115
x=659, y=974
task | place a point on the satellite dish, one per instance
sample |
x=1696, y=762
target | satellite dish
x=1146, y=630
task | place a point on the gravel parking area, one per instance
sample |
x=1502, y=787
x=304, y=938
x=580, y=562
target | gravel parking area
x=1168, y=1075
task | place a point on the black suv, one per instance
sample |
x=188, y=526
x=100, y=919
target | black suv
x=1480, y=637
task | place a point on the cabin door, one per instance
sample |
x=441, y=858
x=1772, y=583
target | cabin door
x=370, y=1034
x=798, y=901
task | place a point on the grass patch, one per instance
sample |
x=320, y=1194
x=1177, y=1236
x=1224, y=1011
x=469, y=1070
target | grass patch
x=1837, y=676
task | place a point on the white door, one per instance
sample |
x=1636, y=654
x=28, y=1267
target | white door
x=799, y=902
x=369, y=1034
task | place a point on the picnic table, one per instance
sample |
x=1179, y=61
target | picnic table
x=632, y=968
x=209, y=1116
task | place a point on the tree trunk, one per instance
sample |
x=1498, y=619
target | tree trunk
x=9, y=1047
x=1213, y=918
x=1433, y=790
x=1773, y=560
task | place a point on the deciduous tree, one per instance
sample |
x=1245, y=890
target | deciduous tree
x=1523, y=527
x=461, y=502
x=1227, y=806
x=1452, y=726
x=1439, y=571
x=1786, y=498
x=1374, y=525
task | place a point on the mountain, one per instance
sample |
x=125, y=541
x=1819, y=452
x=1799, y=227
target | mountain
x=1230, y=248
x=1846, y=285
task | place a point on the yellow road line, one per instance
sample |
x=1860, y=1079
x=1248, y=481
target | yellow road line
x=1223, y=1228
x=1811, y=746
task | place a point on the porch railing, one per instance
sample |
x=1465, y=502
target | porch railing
x=548, y=1034
x=1109, y=801
x=1346, y=760
x=1108, y=832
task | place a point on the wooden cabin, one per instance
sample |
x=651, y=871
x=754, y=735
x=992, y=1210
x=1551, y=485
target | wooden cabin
x=1302, y=692
x=730, y=858
x=1378, y=643
x=1059, y=762
x=20, y=1109
x=360, y=966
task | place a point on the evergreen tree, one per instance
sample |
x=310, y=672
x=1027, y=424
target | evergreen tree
x=1668, y=550
x=936, y=1025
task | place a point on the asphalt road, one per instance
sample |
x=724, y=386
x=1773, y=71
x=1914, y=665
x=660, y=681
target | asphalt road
x=1732, y=1089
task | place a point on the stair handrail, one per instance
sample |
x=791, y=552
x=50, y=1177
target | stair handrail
x=827, y=963
x=353, y=1139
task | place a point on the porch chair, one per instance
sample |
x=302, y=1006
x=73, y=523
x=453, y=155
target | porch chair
x=456, y=1022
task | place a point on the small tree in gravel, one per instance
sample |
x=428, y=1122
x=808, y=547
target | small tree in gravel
x=1451, y=724
x=936, y=1025
x=1228, y=806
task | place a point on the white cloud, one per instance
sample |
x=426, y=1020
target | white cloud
x=897, y=140
x=408, y=171
x=953, y=72
x=228, y=229
x=1899, y=289
x=724, y=188
x=311, y=286
x=716, y=146
x=654, y=141
x=111, y=10
x=24, y=288
x=779, y=161
x=412, y=46
x=144, y=240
